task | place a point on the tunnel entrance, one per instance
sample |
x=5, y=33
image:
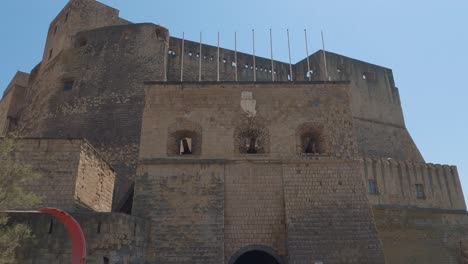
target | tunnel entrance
x=256, y=257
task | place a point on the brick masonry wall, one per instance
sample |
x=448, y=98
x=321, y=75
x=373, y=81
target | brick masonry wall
x=396, y=182
x=95, y=181
x=328, y=215
x=106, y=102
x=70, y=174
x=254, y=208
x=185, y=204
x=375, y=105
x=77, y=16
x=227, y=70
x=204, y=211
x=421, y=235
x=267, y=204
x=279, y=109
x=57, y=163
x=119, y=238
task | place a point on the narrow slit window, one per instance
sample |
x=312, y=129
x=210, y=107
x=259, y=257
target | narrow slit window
x=372, y=186
x=251, y=145
x=50, y=53
x=68, y=85
x=185, y=146
x=420, y=191
x=311, y=146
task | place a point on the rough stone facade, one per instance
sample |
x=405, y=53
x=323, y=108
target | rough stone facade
x=74, y=177
x=115, y=238
x=289, y=167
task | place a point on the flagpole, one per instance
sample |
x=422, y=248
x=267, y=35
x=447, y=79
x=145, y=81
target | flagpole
x=289, y=51
x=309, y=75
x=325, y=58
x=272, y=64
x=217, y=62
x=182, y=58
x=254, y=64
x=235, y=53
x=200, y=57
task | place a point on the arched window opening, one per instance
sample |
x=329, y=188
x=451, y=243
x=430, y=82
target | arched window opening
x=311, y=145
x=184, y=143
x=311, y=140
x=251, y=145
x=251, y=140
x=185, y=146
x=256, y=257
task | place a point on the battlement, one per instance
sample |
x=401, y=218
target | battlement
x=413, y=184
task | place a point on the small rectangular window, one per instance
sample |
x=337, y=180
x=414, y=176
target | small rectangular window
x=50, y=53
x=372, y=186
x=420, y=191
x=68, y=85
x=66, y=17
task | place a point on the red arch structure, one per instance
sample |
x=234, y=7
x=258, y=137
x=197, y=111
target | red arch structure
x=75, y=232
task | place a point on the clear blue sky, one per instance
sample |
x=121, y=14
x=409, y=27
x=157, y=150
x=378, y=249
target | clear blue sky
x=424, y=42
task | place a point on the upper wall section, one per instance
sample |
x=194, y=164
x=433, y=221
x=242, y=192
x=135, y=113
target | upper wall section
x=78, y=15
x=94, y=90
x=375, y=96
x=228, y=66
x=414, y=184
x=12, y=101
x=375, y=103
x=226, y=120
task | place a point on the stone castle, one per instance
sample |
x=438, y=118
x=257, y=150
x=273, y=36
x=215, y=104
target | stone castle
x=266, y=165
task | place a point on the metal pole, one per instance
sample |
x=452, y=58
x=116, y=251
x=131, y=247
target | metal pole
x=217, y=69
x=254, y=64
x=309, y=75
x=325, y=57
x=182, y=58
x=289, y=51
x=271, y=49
x=235, y=52
x=200, y=57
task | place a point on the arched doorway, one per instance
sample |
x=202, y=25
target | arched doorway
x=256, y=257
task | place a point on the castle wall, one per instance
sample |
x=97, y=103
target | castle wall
x=106, y=100
x=378, y=117
x=278, y=110
x=70, y=173
x=267, y=198
x=396, y=184
x=77, y=16
x=227, y=64
x=328, y=215
x=185, y=203
x=119, y=238
x=12, y=101
x=300, y=211
x=95, y=181
x=422, y=236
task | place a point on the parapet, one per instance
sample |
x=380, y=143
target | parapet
x=413, y=184
x=74, y=177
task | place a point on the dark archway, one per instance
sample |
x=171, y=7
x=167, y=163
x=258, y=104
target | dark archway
x=256, y=257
